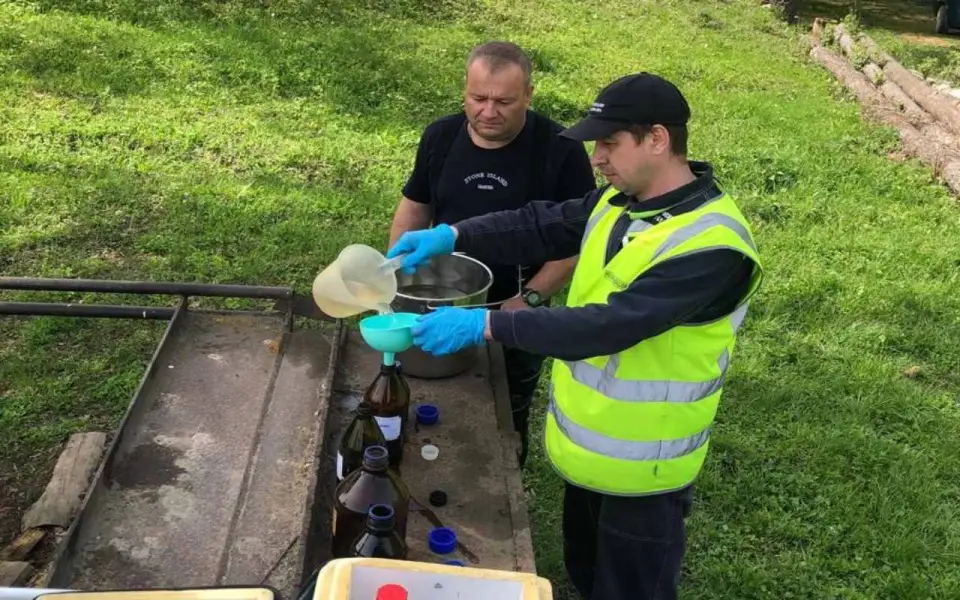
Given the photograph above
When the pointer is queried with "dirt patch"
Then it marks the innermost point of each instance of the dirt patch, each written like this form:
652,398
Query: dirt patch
20,487
896,15
939,41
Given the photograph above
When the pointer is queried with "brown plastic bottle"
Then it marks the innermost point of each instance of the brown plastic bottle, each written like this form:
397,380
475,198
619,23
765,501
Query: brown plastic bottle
374,483
362,433
389,396
381,539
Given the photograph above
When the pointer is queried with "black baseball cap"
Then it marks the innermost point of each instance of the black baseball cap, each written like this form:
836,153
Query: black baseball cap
641,99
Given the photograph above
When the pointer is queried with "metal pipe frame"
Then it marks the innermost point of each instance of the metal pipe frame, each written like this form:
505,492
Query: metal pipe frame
113,311
110,311
145,287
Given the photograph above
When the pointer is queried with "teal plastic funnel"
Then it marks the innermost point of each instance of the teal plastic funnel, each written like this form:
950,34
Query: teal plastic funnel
389,333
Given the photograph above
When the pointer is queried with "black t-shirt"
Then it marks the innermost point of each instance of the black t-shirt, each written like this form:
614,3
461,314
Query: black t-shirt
461,180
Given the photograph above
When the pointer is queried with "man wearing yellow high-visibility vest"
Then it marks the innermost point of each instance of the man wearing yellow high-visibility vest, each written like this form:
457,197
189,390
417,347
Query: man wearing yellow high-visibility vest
642,347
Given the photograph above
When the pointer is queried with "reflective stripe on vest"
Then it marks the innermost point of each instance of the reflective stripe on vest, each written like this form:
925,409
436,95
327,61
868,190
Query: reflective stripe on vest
603,381
699,226
607,383
591,223
625,449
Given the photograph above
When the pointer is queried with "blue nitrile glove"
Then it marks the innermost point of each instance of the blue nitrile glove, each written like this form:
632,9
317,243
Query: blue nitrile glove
448,329
420,246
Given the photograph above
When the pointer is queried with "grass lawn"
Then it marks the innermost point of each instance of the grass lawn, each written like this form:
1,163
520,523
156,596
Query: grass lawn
247,142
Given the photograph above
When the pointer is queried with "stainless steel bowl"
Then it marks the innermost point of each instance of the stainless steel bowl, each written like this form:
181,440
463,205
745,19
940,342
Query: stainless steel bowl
446,280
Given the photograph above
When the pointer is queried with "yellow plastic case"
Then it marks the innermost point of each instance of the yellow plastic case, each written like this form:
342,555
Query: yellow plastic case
360,578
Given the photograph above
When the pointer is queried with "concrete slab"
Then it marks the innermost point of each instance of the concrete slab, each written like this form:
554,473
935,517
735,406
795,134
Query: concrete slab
264,543
209,476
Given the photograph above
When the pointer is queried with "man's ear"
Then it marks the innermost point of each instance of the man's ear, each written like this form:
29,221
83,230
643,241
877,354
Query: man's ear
529,95
660,138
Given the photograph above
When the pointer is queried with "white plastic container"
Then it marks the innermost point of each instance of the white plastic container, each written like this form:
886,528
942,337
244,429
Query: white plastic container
360,279
360,578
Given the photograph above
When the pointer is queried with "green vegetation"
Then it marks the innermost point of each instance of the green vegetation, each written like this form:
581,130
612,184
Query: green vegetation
247,142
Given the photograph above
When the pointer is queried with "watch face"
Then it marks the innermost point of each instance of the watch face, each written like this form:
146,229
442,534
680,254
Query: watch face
533,298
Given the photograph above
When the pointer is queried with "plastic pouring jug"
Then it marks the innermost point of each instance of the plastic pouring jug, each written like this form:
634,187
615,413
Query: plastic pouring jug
360,279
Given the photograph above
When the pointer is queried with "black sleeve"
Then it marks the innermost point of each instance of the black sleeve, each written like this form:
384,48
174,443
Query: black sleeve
667,295
417,187
576,174
537,233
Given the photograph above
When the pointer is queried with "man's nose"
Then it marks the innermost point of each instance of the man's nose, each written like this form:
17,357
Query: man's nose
599,156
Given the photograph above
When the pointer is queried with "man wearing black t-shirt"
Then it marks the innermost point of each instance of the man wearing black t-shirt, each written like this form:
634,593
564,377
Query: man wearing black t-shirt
498,155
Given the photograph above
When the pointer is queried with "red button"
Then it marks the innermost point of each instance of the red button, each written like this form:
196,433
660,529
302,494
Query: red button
391,592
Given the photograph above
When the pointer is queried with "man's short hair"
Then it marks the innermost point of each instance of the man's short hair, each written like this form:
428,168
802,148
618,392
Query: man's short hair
498,55
678,136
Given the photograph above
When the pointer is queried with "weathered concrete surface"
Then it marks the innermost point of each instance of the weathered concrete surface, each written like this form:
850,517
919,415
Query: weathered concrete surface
266,535
210,475
477,465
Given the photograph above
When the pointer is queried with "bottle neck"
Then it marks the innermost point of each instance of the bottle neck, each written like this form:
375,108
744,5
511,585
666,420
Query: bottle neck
381,519
380,526
376,468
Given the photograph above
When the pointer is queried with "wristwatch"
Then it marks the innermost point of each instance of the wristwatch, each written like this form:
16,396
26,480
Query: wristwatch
531,297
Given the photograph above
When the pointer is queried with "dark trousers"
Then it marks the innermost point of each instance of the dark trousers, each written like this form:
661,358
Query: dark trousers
618,548
523,375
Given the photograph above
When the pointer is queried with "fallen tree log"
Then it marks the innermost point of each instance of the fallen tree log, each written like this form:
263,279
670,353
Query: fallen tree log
816,33
21,547
923,95
892,91
917,89
68,484
944,161
874,72
900,99
843,39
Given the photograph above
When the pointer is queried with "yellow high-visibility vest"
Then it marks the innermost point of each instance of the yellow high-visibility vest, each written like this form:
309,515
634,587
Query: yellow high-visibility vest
638,422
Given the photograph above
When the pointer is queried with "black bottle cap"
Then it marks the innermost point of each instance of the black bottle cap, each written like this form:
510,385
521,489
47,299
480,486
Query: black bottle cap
438,498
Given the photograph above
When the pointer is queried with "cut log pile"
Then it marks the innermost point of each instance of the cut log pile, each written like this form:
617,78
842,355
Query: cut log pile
928,121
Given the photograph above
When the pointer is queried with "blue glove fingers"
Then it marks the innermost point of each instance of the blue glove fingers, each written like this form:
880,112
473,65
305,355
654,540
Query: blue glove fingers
419,246
446,240
424,331
448,329
414,259
402,246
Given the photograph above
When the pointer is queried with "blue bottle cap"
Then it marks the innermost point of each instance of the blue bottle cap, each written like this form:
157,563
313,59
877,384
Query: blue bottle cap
442,540
455,563
427,414
376,458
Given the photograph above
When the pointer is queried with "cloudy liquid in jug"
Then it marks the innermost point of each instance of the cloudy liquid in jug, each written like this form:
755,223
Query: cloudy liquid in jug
369,296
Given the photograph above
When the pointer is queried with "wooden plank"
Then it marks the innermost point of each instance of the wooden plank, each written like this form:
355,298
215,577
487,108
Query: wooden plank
13,574
21,547
68,484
